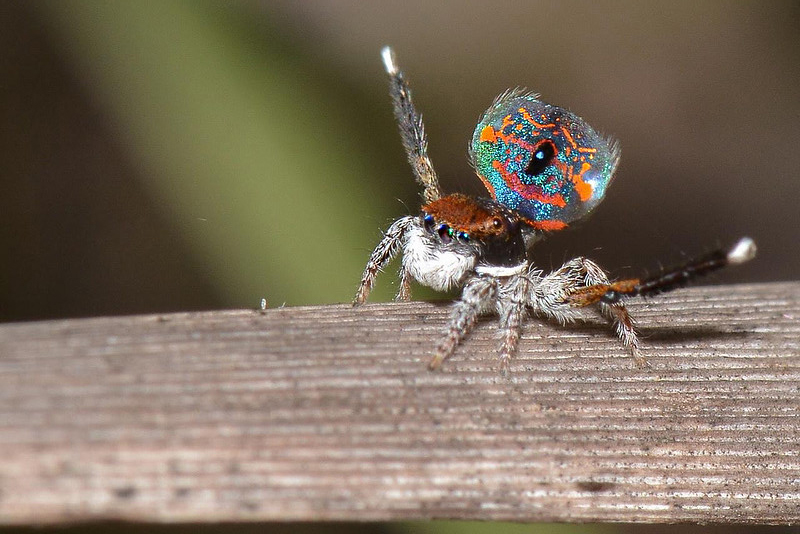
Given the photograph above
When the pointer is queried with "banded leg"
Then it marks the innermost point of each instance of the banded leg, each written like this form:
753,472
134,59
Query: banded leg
412,131
511,309
553,297
390,245
615,312
611,293
476,299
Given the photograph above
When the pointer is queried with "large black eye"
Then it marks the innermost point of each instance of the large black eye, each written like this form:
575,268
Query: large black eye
445,233
542,157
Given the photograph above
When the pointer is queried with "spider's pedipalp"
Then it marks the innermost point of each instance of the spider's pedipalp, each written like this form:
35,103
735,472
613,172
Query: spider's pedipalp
393,240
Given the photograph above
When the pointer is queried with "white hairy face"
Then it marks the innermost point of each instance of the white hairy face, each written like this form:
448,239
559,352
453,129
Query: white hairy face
434,264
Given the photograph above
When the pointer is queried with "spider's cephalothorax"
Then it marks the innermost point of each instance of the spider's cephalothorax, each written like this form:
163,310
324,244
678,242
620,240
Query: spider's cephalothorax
544,168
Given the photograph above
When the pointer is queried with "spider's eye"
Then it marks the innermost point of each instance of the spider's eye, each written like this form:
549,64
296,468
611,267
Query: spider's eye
542,157
445,233
463,237
497,222
428,221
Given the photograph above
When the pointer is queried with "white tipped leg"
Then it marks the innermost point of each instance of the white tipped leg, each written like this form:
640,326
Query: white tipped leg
744,250
389,62
412,131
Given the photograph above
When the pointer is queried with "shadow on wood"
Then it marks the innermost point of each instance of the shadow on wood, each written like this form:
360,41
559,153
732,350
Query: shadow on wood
328,413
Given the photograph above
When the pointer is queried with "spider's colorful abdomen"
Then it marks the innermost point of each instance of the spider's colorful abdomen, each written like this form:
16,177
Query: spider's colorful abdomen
541,160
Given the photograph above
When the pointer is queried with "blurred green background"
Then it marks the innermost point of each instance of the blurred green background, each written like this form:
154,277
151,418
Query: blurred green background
163,156
159,156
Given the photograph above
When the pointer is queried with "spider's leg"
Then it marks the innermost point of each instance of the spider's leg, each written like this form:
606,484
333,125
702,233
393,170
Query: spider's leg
615,312
610,293
390,245
412,131
404,291
511,309
582,275
623,323
479,294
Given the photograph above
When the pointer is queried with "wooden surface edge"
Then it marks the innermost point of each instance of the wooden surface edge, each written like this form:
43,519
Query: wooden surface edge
328,413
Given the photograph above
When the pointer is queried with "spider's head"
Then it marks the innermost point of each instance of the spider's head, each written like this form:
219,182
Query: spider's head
491,231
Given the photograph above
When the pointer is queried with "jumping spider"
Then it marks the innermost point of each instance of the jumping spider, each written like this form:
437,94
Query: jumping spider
544,168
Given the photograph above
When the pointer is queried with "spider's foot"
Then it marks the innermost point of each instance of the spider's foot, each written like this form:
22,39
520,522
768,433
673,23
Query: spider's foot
361,296
639,359
436,361
505,364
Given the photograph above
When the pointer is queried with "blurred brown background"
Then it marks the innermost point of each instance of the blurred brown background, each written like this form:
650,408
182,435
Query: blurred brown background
182,156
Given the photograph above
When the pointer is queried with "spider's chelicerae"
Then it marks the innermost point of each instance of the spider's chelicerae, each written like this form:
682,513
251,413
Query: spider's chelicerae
544,168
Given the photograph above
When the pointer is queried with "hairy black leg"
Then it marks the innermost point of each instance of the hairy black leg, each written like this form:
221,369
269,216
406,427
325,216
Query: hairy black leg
612,293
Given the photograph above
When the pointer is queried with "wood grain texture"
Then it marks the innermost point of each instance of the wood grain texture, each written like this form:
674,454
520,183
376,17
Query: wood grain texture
329,413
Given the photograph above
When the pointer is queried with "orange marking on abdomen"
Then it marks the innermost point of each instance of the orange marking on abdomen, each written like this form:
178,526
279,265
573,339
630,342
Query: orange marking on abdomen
582,187
526,191
547,225
569,137
488,134
527,116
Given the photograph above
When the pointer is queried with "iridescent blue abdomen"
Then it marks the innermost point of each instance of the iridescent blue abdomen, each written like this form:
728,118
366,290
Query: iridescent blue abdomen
542,160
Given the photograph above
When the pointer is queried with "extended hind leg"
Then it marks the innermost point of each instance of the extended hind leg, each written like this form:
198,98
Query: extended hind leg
610,295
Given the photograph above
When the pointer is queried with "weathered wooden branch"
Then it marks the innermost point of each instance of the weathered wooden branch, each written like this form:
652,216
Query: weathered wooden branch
330,413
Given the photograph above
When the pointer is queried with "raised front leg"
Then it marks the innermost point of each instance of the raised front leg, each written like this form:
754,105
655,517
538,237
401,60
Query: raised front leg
390,245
